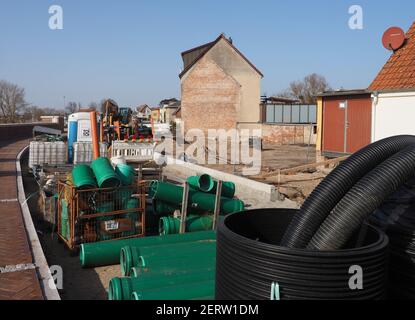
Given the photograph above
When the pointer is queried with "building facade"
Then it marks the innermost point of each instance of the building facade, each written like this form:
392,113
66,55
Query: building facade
220,88
393,93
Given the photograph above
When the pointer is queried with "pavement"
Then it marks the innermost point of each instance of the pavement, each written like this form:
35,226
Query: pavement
18,276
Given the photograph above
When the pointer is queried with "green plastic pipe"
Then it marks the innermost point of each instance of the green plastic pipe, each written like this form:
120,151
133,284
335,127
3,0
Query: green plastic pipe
206,183
148,256
176,266
104,173
64,219
192,258
201,201
173,266
137,272
162,208
122,288
171,225
108,253
126,173
186,291
83,177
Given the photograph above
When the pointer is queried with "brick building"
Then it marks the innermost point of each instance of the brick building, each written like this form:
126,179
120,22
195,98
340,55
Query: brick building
220,87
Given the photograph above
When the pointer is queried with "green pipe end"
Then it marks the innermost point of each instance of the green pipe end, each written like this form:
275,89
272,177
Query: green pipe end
163,226
206,183
142,262
135,272
126,257
135,296
115,289
82,256
152,190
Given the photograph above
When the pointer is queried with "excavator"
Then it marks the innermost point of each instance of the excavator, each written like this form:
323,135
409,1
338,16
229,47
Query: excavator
119,124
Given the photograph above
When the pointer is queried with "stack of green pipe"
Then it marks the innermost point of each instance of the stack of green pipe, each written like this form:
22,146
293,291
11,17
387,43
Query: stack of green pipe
108,253
188,291
154,256
171,225
206,183
122,288
173,194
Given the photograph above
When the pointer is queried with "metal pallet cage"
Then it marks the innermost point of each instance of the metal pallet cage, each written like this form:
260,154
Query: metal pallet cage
94,215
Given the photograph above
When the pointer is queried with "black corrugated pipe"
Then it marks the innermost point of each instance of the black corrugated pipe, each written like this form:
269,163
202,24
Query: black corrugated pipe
397,218
249,261
333,188
363,199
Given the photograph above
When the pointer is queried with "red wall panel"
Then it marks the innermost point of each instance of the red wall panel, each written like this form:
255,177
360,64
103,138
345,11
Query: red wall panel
359,118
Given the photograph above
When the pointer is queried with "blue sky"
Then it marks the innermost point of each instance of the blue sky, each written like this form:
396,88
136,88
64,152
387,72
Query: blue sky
130,50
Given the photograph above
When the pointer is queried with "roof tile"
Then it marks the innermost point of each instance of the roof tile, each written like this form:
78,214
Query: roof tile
399,71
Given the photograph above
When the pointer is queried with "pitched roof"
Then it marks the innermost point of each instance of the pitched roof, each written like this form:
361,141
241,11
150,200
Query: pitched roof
192,56
143,108
399,72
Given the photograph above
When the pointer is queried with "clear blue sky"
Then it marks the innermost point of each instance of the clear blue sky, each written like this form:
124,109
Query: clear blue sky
130,50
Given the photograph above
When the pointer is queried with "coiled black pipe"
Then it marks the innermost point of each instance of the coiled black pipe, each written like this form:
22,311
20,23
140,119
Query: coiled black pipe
249,260
333,188
363,199
397,218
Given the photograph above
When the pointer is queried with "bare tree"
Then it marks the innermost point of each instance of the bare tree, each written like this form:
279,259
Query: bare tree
306,89
71,107
33,113
93,105
12,101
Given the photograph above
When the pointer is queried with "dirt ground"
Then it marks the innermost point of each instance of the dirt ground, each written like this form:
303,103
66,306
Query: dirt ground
295,187
78,283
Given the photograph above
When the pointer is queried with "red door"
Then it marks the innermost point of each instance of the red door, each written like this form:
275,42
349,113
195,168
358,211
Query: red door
350,115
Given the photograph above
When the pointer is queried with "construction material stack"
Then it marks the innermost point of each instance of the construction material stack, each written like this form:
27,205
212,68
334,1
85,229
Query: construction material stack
203,201
100,203
160,267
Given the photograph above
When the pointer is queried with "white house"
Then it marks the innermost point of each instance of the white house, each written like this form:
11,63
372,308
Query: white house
393,93
144,112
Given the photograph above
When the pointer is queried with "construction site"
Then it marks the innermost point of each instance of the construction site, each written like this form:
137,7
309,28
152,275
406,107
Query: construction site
223,194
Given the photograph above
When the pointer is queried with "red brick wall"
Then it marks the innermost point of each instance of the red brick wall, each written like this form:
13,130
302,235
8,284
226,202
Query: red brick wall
287,134
210,98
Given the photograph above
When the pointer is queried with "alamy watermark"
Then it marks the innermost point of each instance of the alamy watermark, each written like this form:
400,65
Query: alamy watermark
56,272
356,280
241,147
56,17
356,19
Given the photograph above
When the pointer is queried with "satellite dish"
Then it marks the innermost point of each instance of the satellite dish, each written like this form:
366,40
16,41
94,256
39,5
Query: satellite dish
393,38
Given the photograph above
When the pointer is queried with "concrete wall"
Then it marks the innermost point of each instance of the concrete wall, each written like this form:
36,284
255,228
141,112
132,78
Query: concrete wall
393,114
210,97
14,131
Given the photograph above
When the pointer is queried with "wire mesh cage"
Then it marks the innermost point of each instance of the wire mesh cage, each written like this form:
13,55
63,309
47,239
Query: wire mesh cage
95,215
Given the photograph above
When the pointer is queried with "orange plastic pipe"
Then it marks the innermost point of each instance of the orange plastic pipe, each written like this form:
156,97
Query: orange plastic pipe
94,129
